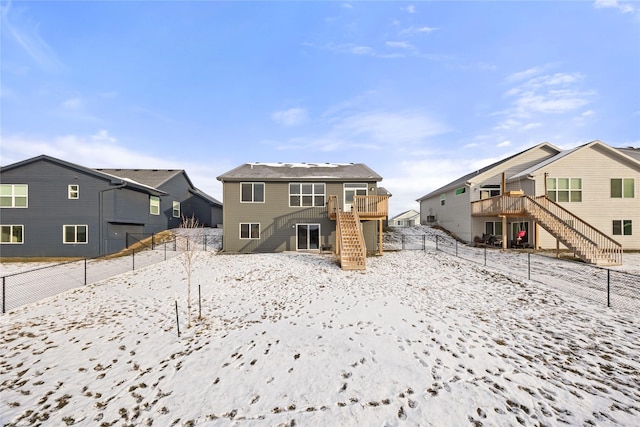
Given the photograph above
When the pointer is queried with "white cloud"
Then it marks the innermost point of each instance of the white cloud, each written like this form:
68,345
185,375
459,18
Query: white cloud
346,6
72,104
588,113
400,45
550,93
413,30
623,7
101,150
409,9
26,34
504,144
291,117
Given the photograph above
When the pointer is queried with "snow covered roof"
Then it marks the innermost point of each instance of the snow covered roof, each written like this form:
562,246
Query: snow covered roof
301,172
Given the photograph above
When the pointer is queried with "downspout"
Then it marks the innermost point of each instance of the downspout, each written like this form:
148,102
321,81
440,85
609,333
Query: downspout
101,216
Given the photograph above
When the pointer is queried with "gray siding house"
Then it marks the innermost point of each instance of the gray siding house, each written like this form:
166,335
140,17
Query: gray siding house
53,208
274,207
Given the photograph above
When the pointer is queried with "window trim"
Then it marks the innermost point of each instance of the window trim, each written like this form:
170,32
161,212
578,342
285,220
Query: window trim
10,242
76,242
313,194
152,205
13,196
250,224
570,190
443,199
489,188
459,191
73,194
253,191
622,227
178,209
622,187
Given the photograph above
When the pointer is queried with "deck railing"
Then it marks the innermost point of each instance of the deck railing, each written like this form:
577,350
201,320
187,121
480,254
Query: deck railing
371,206
551,215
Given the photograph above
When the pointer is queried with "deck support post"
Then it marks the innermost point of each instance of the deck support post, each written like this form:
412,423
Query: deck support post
504,232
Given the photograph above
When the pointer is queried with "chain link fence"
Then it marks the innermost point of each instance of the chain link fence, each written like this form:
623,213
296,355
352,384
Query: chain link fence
608,286
25,287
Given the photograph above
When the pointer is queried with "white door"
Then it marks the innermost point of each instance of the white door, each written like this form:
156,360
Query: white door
350,191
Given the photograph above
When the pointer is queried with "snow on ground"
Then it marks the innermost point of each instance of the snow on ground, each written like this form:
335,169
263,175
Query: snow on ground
419,338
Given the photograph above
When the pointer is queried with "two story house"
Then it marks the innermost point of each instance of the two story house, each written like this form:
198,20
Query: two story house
274,207
54,208
585,199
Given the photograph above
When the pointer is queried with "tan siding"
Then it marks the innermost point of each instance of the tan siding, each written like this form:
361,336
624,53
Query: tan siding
596,167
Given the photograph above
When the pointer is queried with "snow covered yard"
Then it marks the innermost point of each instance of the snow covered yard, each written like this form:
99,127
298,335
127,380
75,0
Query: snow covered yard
419,338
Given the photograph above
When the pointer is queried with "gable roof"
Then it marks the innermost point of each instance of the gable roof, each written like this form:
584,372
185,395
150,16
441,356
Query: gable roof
537,167
301,172
211,200
411,213
463,180
631,152
152,177
113,179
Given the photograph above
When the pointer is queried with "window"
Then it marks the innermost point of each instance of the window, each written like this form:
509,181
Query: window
74,234
442,199
154,205
14,195
252,192
12,234
74,191
306,194
460,191
622,188
249,231
493,228
564,189
176,209
622,227
489,190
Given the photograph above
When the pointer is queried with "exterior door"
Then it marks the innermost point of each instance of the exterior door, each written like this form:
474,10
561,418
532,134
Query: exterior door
350,191
307,237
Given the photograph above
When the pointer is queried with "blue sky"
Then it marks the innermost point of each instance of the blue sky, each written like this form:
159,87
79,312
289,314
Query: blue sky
422,92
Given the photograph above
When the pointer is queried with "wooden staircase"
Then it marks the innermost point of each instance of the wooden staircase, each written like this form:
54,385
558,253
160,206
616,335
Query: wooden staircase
587,242
351,246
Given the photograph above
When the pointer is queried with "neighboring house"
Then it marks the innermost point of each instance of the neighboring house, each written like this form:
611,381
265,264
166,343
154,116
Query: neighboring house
405,219
53,208
274,207
187,199
585,199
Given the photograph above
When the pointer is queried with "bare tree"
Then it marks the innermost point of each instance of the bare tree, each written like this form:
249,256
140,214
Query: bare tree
190,236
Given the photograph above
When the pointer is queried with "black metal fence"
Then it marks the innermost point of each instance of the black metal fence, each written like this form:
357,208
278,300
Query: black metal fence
25,287
608,286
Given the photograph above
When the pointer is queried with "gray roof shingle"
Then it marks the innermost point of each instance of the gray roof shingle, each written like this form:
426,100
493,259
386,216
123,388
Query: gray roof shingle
301,172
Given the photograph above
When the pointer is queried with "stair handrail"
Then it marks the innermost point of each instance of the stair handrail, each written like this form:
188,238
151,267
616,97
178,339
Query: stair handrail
356,215
603,243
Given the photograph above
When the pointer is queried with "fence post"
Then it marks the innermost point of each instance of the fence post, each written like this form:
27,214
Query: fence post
153,241
485,256
608,287
199,302
126,239
424,242
85,271
403,242
456,248
133,259
165,251
529,265
177,319
4,295
436,242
